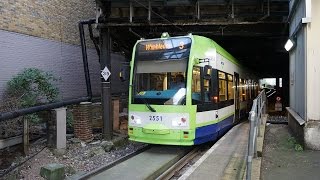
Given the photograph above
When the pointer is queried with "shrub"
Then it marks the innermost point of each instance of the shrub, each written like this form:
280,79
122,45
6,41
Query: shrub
32,87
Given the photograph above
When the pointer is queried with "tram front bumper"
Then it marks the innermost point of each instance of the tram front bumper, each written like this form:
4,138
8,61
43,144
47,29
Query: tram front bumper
162,136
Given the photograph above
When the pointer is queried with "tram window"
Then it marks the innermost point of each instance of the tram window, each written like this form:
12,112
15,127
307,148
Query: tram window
206,87
222,86
230,87
249,90
244,90
158,81
196,85
177,80
241,89
253,93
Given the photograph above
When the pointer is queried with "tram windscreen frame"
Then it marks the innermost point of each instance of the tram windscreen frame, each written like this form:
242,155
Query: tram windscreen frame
159,65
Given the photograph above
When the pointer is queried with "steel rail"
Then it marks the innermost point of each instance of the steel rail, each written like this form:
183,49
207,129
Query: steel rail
114,163
169,173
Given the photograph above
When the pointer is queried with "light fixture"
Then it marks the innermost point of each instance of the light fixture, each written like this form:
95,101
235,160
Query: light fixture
289,44
165,35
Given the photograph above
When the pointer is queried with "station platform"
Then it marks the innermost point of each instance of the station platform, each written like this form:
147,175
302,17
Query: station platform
282,157
226,159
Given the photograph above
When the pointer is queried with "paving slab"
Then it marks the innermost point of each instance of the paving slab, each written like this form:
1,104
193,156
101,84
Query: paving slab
147,165
282,160
225,159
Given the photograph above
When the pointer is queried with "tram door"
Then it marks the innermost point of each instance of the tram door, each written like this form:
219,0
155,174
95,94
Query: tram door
236,98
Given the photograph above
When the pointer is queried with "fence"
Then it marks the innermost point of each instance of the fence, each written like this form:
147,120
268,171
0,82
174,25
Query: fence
258,108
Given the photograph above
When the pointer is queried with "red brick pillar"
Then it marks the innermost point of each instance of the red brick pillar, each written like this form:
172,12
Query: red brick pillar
82,121
115,115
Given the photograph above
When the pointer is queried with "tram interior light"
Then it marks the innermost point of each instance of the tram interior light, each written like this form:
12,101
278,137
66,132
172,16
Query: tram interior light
289,44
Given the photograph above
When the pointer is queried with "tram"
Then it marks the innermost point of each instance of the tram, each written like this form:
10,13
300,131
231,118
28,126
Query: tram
185,90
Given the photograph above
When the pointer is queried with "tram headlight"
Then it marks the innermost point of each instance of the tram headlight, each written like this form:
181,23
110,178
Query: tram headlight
135,119
180,122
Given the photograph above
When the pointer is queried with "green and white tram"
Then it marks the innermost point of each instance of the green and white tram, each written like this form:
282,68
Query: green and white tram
185,90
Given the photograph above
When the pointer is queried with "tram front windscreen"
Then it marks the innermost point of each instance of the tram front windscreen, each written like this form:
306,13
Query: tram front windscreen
160,71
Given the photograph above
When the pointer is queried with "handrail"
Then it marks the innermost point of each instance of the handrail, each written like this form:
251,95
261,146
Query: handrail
258,108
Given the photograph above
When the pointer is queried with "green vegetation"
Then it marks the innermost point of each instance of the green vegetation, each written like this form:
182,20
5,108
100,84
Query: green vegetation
292,143
69,119
32,87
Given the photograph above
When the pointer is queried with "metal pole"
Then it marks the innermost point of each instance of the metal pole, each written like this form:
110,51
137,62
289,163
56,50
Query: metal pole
149,10
131,12
25,136
232,7
259,116
198,10
265,103
250,145
30,110
268,8
261,110
255,132
105,61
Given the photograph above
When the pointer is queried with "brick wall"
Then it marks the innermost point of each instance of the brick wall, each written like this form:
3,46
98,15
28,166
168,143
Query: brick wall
49,19
89,115
44,34
82,121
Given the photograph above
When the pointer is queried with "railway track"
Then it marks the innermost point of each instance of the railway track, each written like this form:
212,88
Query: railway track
95,172
151,162
173,170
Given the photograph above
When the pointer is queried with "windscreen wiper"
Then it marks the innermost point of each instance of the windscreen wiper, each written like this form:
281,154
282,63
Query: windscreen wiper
148,105
145,101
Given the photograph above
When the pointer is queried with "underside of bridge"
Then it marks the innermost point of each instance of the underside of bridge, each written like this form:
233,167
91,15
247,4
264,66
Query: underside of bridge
253,31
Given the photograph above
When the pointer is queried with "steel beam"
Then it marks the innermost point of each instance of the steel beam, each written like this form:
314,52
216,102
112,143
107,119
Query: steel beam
149,11
198,10
131,12
106,25
105,61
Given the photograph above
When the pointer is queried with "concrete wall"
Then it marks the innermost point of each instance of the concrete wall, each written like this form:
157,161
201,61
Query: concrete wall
313,63
45,35
312,128
305,72
18,51
297,62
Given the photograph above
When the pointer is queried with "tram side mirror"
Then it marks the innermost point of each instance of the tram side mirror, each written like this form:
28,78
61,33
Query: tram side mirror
207,72
122,75
124,72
